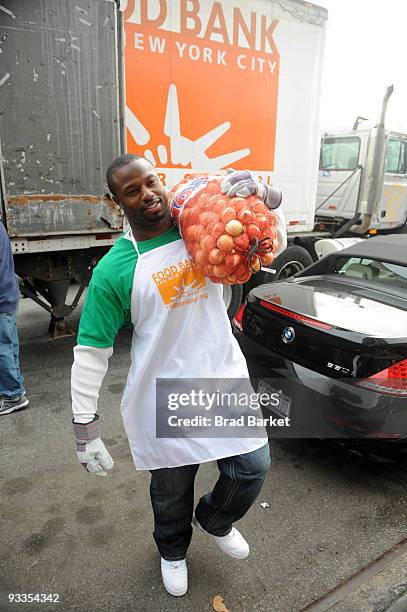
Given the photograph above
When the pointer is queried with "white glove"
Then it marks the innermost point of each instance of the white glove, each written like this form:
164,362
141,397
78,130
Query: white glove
91,451
244,183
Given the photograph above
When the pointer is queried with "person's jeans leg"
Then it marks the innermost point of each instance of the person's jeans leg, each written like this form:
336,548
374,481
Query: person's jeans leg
240,481
11,381
172,498
16,352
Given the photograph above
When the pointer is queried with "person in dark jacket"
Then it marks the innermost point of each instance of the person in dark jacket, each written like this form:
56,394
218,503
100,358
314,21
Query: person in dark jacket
12,393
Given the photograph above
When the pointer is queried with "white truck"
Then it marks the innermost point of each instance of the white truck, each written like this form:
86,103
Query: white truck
345,160
362,185
193,85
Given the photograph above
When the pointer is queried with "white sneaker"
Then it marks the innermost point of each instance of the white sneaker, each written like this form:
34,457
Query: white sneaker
175,577
233,544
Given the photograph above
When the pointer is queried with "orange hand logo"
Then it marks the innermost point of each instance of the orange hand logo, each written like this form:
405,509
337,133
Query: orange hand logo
183,151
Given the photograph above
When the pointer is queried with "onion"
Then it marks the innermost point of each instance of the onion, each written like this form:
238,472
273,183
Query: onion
243,278
271,233
259,207
261,221
192,232
242,242
201,258
220,271
216,257
208,270
212,187
225,242
193,246
232,260
271,217
241,269
197,232
234,228
216,229
207,217
245,215
252,232
251,201
228,214
219,205
267,245
214,201
256,264
267,258
238,203
186,233
194,218
202,200
208,243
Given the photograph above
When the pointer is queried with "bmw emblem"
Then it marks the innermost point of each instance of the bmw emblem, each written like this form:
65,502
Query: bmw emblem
288,335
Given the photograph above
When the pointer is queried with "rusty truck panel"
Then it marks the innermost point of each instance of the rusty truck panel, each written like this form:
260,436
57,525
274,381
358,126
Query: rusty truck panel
59,115
61,214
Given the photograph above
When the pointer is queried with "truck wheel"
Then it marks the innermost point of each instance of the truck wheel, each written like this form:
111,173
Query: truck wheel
232,296
292,260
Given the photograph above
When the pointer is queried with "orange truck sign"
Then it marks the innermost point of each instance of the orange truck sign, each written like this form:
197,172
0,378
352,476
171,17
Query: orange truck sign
211,85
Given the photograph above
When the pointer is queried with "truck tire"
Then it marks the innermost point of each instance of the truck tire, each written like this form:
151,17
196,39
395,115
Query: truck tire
294,259
232,296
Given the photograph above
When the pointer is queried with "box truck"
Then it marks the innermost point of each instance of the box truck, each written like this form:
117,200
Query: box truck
362,185
192,85
60,127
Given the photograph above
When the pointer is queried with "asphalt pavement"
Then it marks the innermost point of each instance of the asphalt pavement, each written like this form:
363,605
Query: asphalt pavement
88,539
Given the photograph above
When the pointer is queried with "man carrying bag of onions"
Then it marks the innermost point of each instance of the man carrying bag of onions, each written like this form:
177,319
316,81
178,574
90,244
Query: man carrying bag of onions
170,288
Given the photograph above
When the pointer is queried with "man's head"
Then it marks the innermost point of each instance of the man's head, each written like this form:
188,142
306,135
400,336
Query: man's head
136,187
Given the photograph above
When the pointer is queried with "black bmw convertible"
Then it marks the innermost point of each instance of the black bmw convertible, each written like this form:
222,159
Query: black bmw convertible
331,342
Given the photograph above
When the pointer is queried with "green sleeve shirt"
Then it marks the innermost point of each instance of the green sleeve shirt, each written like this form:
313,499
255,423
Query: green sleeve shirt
107,305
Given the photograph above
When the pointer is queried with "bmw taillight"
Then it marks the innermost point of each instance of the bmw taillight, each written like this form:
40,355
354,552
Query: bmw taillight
238,320
391,381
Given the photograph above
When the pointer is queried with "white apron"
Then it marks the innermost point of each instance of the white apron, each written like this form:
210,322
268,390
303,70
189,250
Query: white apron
181,330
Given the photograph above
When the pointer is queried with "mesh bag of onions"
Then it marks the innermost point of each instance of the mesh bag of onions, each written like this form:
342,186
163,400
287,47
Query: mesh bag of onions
229,239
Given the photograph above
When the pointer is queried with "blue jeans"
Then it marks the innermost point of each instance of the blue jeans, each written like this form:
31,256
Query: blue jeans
11,381
172,496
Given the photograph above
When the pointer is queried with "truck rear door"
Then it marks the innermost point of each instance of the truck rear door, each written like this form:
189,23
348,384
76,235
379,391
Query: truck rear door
60,120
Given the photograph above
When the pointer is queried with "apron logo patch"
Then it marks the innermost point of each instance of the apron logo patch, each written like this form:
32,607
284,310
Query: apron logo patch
180,284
